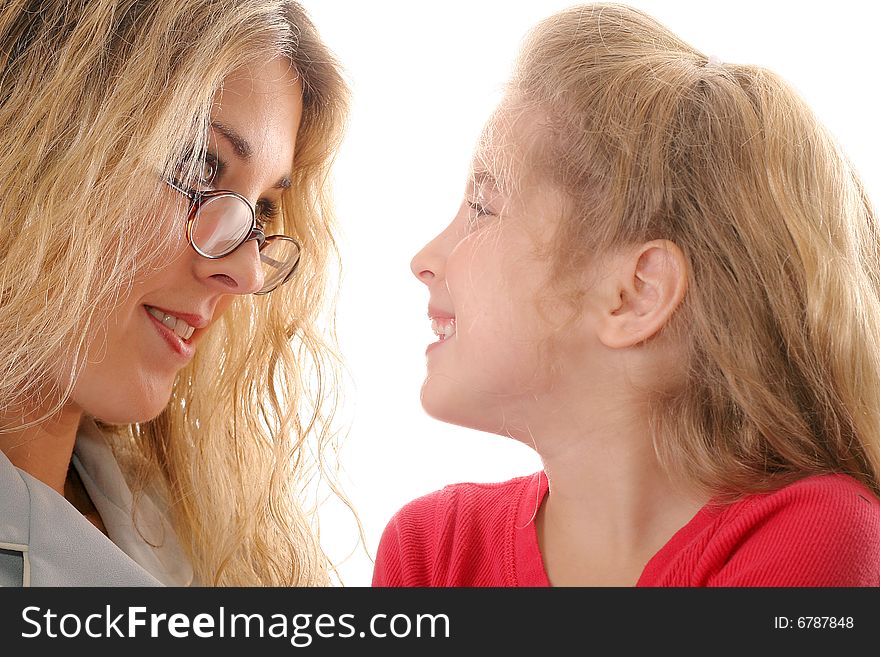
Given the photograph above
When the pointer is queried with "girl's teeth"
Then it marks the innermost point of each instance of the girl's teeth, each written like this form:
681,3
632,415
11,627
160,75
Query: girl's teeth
181,329
444,328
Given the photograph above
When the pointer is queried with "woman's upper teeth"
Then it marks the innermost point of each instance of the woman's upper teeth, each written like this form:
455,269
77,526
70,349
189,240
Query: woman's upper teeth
443,328
183,330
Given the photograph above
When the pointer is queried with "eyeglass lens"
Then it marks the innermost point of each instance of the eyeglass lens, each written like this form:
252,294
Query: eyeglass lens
279,256
222,223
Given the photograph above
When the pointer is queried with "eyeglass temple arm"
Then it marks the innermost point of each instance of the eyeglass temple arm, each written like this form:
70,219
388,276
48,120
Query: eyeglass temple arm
190,195
271,261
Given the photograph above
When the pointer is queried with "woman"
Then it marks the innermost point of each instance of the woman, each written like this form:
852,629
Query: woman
161,352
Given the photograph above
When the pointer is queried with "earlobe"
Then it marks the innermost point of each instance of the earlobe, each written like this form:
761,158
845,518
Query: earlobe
642,291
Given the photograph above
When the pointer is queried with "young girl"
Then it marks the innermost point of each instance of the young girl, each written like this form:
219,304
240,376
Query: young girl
664,277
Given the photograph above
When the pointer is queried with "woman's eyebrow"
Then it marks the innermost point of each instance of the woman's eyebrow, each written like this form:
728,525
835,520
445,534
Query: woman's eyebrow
240,145
243,149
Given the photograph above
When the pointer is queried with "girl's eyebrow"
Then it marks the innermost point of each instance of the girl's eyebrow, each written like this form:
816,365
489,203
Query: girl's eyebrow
483,179
481,176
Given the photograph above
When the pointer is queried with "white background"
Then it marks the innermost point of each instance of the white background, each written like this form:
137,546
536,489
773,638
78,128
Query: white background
424,77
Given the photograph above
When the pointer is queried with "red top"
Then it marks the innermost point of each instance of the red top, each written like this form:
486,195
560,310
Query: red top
820,531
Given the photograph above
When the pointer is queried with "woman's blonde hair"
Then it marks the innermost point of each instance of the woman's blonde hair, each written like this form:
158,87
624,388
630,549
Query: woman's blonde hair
99,99
648,138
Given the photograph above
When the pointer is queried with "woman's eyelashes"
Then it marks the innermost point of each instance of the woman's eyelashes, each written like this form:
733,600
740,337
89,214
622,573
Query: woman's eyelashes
199,173
206,174
266,212
210,171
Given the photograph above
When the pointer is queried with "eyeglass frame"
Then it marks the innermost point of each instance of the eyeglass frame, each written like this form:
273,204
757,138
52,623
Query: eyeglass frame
196,198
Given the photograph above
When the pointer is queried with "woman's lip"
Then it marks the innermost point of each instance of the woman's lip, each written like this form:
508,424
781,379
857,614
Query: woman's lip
184,350
196,321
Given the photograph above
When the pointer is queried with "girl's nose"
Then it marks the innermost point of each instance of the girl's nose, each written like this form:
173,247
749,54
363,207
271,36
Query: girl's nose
427,263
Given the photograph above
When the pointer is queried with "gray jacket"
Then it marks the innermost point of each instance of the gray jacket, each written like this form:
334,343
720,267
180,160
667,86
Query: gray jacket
45,541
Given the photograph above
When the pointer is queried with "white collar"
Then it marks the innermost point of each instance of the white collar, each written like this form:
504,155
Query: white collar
147,537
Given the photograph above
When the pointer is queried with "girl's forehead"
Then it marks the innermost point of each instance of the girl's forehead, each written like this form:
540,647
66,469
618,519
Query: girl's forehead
510,137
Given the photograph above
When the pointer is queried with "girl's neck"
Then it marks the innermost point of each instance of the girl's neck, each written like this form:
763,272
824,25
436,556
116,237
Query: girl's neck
44,450
610,506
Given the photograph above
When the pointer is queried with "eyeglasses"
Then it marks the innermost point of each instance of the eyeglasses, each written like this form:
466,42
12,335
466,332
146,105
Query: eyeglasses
220,221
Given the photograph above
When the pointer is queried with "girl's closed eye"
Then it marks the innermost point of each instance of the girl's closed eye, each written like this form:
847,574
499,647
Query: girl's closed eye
482,198
478,212
480,209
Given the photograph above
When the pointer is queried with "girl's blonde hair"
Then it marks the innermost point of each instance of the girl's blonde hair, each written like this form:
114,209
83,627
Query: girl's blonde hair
650,139
99,99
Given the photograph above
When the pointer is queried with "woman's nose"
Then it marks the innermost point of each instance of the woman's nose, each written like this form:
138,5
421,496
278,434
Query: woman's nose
239,272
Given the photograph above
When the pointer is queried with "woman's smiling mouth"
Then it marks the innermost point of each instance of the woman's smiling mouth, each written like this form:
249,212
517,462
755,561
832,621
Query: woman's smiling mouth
176,330
183,330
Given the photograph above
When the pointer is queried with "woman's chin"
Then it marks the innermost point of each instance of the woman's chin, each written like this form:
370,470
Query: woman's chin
123,418
130,409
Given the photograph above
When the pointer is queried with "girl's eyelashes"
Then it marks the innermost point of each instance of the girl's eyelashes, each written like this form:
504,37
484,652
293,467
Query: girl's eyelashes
478,210
482,197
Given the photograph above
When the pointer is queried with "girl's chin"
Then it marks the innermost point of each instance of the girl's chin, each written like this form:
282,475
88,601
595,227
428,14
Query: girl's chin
452,409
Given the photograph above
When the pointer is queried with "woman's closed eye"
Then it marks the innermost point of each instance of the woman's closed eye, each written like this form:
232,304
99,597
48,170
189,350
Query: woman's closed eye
199,174
266,211
209,172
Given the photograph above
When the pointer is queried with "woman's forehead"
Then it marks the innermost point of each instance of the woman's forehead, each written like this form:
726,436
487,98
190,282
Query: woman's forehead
259,94
258,111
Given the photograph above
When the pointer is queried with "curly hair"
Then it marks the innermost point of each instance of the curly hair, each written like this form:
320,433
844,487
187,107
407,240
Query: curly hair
96,98
650,139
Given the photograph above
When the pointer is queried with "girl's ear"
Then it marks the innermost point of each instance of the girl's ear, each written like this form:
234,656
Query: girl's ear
640,293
